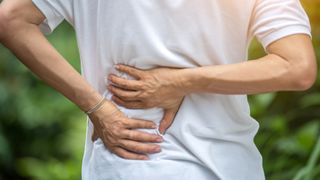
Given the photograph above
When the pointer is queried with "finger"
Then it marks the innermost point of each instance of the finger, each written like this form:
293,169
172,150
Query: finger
134,72
168,118
138,147
125,83
139,124
129,155
124,94
95,135
128,104
140,136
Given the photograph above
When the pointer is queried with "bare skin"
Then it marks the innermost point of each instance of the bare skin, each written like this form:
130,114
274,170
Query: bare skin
19,32
291,60
289,66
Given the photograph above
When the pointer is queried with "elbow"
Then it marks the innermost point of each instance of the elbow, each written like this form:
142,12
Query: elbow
305,83
5,23
8,21
2,24
305,75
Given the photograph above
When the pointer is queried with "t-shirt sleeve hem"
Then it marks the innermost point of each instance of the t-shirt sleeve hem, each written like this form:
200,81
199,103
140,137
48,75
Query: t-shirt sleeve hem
284,32
53,19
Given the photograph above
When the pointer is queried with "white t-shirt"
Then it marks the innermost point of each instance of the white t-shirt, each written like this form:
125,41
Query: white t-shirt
212,135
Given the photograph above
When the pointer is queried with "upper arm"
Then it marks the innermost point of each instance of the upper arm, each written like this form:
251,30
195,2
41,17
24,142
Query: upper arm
20,10
284,30
55,11
273,20
298,52
47,14
296,49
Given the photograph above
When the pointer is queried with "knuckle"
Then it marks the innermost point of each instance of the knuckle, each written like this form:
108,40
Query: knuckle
143,96
120,94
117,133
121,68
151,149
136,148
150,137
113,79
129,105
148,124
142,137
127,94
126,123
139,106
130,135
118,124
148,104
112,142
123,84
140,124
143,87
130,123
135,85
147,76
122,144
120,81
113,89
134,105
154,138
129,70
120,153
120,102
116,91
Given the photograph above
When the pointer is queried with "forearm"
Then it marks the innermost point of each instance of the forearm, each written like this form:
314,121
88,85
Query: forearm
289,66
27,42
268,74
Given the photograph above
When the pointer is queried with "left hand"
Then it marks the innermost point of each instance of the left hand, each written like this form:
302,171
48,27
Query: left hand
151,88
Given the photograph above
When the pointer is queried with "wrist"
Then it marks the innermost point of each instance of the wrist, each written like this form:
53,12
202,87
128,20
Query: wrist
107,110
88,100
183,81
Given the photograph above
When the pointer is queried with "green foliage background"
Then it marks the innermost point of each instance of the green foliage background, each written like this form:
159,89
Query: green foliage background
42,134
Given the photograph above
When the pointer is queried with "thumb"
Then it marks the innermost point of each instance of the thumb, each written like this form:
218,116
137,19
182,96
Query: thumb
95,135
168,118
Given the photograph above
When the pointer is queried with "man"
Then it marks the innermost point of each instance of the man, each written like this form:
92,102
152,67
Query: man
205,44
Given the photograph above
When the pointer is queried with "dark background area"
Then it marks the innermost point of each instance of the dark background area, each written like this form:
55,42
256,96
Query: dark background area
42,134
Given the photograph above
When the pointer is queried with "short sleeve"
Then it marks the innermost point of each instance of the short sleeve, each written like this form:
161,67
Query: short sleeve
55,12
275,19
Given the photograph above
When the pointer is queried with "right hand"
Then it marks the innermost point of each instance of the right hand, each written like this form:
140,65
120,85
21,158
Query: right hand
118,133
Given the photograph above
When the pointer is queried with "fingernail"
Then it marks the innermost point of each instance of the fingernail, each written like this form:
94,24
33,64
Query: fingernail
145,158
154,126
159,139
116,66
157,149
160,131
